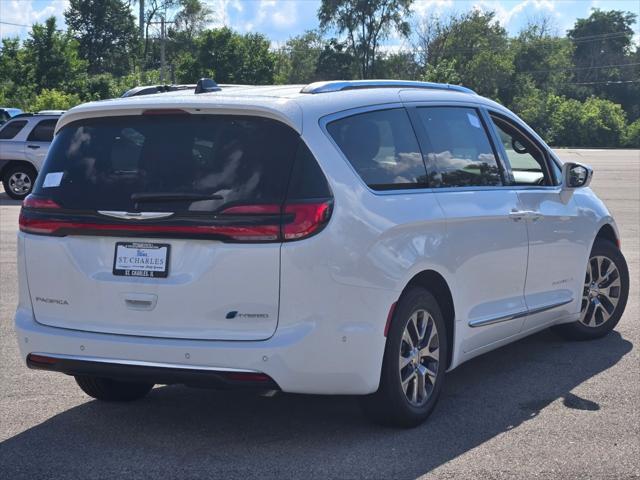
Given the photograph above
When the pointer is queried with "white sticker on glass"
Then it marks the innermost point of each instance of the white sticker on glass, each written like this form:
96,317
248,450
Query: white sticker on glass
52,179
473,120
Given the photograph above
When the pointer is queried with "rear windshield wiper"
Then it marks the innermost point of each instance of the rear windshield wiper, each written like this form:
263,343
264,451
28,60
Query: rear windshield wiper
173,197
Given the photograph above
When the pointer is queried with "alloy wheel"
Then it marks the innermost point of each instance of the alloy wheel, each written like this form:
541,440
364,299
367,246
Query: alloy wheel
20,183
419,357
601,291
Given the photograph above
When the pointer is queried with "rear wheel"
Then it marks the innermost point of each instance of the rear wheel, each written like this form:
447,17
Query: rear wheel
414,363
604,295
111,390
18,181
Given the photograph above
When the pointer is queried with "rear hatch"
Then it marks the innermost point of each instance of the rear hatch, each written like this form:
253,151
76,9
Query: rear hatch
169,225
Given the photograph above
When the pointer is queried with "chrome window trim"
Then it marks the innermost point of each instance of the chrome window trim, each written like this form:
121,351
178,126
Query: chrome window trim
513,316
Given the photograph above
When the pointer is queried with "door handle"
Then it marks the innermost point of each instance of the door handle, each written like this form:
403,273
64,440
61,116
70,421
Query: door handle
518,215
34,147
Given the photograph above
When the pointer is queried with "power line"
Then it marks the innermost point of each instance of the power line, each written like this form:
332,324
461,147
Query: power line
15,24
582,68
608,82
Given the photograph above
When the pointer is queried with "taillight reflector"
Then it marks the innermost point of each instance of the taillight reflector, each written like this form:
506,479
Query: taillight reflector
248,377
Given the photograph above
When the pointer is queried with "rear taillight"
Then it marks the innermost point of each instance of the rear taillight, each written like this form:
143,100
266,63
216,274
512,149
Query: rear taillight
29,225
308,218
241,223
34,202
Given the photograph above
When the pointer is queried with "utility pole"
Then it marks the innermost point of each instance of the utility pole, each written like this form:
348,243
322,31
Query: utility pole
141,19
162,46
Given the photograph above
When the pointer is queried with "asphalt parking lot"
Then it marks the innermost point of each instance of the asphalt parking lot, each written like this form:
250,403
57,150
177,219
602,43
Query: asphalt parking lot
539,408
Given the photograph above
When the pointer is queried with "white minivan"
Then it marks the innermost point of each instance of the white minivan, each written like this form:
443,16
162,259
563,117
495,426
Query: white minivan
346,237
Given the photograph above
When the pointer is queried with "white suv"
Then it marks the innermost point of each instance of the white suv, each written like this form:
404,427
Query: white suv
339,238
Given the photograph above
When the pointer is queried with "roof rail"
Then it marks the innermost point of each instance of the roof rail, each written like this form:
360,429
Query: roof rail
340,85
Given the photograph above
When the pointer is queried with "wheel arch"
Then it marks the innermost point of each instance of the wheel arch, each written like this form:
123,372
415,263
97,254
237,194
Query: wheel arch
11,163
608,232
438,286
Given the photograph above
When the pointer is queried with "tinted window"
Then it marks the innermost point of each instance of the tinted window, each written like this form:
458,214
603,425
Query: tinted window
43,131
307,180
382,148
231,159
457,148
525,158
11,129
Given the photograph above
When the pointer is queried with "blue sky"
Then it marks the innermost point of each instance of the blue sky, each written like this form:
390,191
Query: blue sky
280,19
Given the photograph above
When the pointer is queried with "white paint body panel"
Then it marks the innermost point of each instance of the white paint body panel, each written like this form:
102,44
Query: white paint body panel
334,289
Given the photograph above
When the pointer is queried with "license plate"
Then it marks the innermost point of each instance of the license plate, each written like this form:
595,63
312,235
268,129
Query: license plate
141,259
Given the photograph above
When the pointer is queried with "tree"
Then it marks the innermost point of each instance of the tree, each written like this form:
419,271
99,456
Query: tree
106,34
54,100
303,53
366,23
543,56
52,57
228,57
335,62
605,64
474,45
191,19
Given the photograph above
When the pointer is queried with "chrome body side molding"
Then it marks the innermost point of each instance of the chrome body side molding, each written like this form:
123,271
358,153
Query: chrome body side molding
513,316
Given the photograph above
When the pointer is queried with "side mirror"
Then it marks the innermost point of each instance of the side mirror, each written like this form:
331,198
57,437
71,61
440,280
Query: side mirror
576,175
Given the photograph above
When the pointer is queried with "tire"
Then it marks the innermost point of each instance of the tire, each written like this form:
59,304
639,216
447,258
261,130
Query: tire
394,404
18,181
604,294
110,390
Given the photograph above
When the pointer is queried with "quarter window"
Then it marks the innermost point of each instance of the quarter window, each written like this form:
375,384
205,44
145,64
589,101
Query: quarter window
43,131
11,129
457,149
382,147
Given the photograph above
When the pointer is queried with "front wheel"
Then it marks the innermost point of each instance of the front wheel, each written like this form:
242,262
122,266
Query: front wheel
604,295
414,363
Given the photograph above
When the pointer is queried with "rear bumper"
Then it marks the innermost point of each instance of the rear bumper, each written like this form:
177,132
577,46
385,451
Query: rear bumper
157,373
308,357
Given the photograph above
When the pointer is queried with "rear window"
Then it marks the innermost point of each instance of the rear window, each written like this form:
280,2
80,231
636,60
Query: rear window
11,129
382,147
43,131
99,164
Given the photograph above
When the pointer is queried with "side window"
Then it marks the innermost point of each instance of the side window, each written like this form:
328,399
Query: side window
457,148
527,161
11,129
382,148
43,132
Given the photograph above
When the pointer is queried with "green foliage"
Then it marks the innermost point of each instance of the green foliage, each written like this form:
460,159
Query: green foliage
228,57
366,23
565,87
632,135
106,34
54,100
52,57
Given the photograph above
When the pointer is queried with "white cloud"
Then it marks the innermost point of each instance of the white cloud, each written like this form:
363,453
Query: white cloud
505,15
27,13
422,8
222,11
281,14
